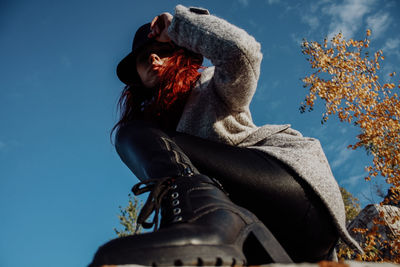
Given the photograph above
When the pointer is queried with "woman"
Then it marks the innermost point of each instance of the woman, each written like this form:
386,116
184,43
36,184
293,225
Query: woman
189,137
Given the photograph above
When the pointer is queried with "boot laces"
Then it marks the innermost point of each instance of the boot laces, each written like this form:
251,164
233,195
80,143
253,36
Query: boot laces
158,188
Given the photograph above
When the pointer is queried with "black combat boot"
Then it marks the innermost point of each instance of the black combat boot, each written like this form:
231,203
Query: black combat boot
200,226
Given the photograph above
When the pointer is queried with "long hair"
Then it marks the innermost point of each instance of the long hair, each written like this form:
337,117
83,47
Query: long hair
164,104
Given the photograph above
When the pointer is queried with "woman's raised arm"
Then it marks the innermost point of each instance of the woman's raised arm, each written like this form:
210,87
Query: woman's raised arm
235,54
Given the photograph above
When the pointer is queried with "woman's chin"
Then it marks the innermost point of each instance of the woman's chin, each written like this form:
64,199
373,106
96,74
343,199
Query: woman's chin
152,84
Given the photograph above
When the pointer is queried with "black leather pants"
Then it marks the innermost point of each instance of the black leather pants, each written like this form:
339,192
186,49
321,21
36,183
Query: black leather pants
255,181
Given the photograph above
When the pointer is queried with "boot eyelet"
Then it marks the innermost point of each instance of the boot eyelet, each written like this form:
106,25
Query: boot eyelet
178,219
175,202
177,211
175,195
174,186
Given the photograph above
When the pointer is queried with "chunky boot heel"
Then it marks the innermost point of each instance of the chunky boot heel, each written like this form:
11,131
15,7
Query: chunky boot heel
199,226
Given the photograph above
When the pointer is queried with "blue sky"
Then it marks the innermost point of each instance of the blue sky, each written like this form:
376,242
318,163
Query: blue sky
61,181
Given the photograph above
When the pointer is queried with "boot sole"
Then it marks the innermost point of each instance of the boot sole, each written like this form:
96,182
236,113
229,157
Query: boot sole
188,255
204,255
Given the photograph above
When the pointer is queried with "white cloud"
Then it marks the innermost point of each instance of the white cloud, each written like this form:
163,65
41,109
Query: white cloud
347,17
378,23
314,7
342,157
244,2
296,38
350,17
353,180
311,21
392,46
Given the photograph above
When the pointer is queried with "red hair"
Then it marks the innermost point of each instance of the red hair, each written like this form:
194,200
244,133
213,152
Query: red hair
164,104
177,75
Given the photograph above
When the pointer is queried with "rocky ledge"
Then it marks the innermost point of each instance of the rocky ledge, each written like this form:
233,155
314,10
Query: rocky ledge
319,264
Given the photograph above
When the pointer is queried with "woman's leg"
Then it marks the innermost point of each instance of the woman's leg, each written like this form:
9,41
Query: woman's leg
150,153
272,191
286,205
200,225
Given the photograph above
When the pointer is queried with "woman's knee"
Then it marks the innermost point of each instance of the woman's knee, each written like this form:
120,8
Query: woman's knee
123,139
131,134
129,141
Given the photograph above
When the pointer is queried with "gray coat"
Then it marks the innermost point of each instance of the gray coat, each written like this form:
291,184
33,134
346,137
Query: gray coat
218,107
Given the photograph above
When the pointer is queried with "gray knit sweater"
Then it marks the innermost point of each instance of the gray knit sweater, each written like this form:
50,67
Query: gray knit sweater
218,107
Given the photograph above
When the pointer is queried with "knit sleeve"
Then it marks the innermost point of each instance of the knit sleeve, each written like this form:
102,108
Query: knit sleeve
235,54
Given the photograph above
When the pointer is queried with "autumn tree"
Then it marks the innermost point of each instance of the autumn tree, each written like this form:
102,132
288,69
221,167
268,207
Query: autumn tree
346,79
128,217
351,204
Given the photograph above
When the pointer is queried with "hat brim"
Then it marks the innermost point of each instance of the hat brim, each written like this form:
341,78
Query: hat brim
126,70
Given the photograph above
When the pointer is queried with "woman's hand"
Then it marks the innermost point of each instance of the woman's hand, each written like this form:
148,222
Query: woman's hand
159,27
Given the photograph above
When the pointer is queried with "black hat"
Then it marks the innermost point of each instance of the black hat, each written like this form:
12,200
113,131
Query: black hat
126,69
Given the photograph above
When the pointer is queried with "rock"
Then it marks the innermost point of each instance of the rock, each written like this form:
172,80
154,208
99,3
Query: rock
319,264
388,229
391,198
335,264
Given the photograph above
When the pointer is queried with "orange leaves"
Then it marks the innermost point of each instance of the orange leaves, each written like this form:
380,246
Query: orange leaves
346,80
389,86
348,84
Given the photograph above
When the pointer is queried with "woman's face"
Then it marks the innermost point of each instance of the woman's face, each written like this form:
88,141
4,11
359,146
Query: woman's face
149,60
